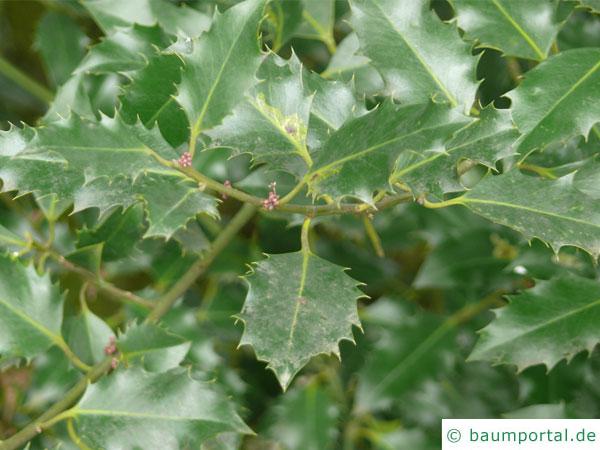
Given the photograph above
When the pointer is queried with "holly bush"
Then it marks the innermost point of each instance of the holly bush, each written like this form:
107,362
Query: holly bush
296,224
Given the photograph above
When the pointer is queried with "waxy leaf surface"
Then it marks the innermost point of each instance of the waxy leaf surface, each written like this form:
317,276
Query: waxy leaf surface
525,29
134,409
552,321
298,306
418,56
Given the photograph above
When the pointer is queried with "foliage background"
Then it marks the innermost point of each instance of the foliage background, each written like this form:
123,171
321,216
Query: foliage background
441,272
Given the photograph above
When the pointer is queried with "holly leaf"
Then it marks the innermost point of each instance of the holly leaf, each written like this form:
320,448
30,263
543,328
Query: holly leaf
112,15
170,200
511,26
551,210
418,56
10,240
126,50
221,66
272,123
71,159
149,96
348,64
558,99
359,158
61,44
483,141
118,232
154,347
139,409
286,117
87,335
553,321
30,311
298,306
71,97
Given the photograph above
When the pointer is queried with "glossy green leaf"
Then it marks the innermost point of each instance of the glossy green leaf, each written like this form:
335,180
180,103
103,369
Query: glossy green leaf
126,50
170,200
61,43
88,335
154,347
418,56
30,310
554,320
118,233
89,257
483,141
287,116
114,14
298,306
553,211
71,97
272,123
221,66
149,96
587,179
359,158
517,28
155,411
558,99
348,64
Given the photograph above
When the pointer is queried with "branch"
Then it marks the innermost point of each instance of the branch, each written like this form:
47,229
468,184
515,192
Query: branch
183,284
49,418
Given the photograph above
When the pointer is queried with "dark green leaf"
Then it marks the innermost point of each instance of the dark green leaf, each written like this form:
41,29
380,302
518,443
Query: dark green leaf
221,66
418,56
298,306
523,29
483,141
153,346
553,211
554,320
558,99
87,335
154,411
149,96
30,310
359,158
124,51
114,14
61,43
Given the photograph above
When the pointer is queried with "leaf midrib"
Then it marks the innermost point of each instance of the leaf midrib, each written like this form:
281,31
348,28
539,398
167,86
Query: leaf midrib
572,89
519,29
54,338
198,124
447,152
546,324
371,149
465,200
428,69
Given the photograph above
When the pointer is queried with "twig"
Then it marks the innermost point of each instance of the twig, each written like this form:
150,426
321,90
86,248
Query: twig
233,227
